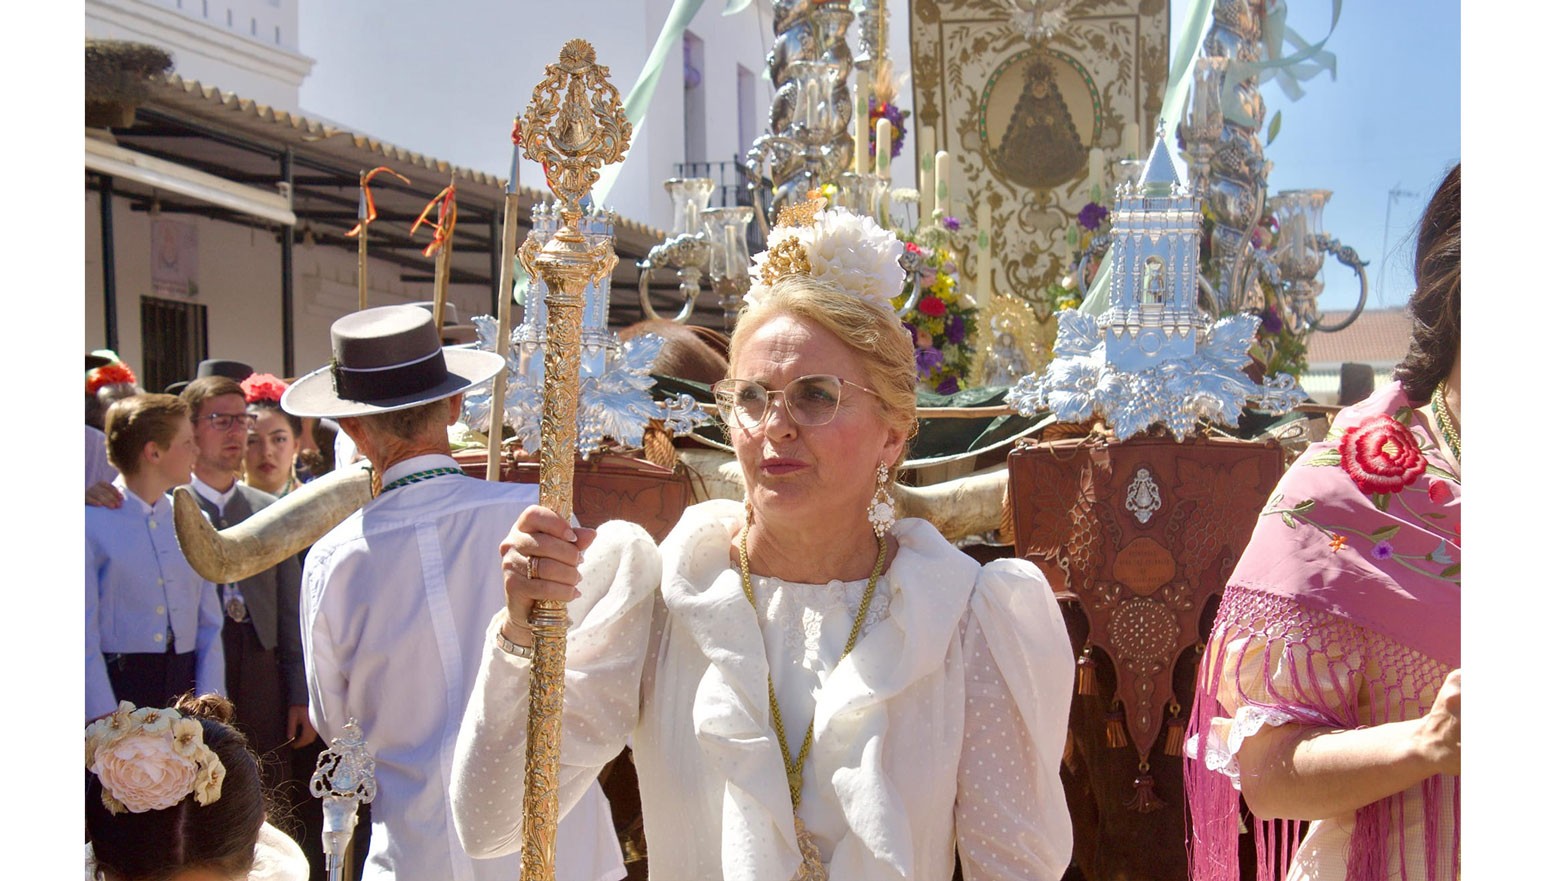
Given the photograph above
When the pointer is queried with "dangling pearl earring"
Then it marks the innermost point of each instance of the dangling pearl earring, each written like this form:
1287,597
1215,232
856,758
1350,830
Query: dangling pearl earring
882,508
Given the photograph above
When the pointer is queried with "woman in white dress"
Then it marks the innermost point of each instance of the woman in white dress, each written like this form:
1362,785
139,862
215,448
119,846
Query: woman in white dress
811,689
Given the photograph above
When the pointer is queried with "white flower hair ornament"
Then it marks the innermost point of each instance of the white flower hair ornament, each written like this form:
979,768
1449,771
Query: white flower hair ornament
149,759
847,250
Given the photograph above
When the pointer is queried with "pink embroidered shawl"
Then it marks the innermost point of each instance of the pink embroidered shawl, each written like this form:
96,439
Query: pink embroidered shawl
1342,612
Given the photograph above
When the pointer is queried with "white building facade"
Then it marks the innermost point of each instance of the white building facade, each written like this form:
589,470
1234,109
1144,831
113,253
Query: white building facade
440,80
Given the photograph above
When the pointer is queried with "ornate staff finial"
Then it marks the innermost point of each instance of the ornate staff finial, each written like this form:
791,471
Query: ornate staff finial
574,125
345,778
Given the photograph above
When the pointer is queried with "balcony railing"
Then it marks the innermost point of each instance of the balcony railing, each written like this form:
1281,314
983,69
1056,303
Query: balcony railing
730,185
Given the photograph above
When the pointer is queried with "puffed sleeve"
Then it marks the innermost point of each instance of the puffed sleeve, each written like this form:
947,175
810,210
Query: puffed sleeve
1011,815
607,644
1270,682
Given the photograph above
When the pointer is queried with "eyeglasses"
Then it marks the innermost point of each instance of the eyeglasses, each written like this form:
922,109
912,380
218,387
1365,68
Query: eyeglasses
224,421
809,400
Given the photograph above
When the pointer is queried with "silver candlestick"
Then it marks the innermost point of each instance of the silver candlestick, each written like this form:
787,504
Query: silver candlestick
1228,169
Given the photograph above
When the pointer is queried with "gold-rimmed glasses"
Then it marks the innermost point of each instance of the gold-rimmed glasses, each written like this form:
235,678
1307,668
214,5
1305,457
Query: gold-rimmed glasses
809,400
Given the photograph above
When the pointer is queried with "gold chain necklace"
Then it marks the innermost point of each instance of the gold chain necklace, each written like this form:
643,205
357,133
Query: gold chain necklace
1445,419
810,868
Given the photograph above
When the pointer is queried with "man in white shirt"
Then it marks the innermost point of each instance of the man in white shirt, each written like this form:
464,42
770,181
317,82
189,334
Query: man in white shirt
396,598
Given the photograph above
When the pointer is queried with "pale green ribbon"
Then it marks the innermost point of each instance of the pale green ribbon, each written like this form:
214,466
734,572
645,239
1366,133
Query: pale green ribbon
636,105
1306,62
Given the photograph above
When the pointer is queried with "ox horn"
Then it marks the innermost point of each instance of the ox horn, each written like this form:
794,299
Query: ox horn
267,537
968,505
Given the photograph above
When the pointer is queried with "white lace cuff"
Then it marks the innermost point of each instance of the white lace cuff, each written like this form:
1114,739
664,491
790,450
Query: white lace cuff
1223,752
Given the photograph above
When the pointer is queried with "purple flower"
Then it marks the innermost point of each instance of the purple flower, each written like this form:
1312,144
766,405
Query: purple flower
949,386
1383,550
952,224
955,329
896,115
1271,321
911,329
928,360
1092,215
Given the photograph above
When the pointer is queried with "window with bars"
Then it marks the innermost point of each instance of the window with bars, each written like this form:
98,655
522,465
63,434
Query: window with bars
174,337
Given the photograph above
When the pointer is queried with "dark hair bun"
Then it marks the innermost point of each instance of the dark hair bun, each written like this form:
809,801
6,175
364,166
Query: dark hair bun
209,706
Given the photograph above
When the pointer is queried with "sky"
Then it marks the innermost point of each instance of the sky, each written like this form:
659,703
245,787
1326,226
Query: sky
1380,135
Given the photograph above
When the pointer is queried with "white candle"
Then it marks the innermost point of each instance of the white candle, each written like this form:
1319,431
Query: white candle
941,168
984,253
861,123
1097,174
925,172
812,111
882,148
1130,143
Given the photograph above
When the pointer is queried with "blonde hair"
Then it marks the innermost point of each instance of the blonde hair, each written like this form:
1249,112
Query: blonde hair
875,333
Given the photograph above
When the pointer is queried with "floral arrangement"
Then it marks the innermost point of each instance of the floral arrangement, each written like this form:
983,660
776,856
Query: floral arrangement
839,247
109,374
263,387
1087,233
879,110
882,105
944,319
150,759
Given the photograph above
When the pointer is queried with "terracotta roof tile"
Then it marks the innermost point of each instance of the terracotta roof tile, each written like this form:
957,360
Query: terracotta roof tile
1378,337
218,105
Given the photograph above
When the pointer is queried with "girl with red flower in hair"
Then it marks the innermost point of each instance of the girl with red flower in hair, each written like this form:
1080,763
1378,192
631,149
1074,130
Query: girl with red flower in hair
274,440
1330,688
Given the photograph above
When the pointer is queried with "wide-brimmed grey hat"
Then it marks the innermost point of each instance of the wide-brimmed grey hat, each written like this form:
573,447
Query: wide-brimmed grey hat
384,359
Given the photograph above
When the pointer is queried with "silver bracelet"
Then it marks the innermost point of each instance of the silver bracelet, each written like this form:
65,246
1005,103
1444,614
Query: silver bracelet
509,646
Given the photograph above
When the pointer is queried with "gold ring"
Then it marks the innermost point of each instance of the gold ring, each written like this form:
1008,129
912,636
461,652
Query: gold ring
531,568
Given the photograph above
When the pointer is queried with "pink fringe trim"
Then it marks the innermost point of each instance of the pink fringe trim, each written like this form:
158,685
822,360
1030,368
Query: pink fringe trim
1297,640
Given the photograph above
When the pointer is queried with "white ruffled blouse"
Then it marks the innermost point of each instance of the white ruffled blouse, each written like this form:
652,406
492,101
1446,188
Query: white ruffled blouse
943,728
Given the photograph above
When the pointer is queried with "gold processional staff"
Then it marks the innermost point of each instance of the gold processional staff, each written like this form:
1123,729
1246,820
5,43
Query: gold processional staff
573,125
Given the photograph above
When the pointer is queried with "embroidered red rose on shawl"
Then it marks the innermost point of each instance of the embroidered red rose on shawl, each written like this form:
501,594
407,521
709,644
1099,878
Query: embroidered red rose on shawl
1381,455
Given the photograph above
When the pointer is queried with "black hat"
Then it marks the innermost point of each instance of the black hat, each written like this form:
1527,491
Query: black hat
387,358
214,367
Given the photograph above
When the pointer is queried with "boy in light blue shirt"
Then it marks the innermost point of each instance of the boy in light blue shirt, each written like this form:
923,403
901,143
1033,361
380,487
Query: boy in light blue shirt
152,624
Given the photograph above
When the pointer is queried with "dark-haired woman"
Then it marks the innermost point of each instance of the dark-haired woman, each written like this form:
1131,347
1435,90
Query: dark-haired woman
174,795
273,442
1330,691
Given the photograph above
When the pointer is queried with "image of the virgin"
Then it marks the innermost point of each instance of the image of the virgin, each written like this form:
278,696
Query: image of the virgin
1040,121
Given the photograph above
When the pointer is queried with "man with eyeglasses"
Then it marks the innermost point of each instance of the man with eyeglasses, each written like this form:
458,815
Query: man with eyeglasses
265,670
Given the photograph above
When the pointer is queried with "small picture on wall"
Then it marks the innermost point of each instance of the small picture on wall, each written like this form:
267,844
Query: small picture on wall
174,259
